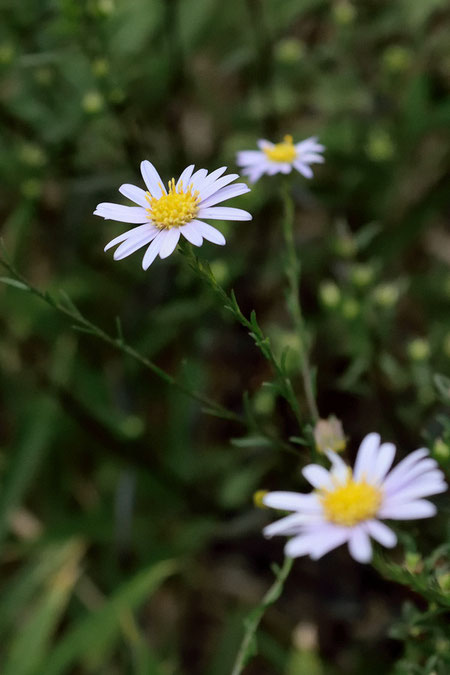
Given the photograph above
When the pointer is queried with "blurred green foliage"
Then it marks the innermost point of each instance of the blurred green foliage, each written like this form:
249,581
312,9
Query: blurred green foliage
128,539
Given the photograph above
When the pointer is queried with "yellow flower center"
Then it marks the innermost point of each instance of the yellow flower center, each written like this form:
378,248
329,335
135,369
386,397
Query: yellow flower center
175,208
282,152
349,503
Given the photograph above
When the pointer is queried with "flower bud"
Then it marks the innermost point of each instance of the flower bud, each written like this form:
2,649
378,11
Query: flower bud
329,435
380,146
386,295
92,102
419,349
258,497
441,451
289,51
329,294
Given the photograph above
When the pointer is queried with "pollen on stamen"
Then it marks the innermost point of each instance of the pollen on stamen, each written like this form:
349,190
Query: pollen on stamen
174,208
282,152
351,502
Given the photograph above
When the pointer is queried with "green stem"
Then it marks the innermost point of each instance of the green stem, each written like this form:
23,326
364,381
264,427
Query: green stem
69,310
246,649
283,382
83,324
293,273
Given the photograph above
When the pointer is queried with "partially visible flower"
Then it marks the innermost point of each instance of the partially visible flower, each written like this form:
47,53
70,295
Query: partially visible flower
92,102
347,505
386,295
163,215
329,435
280,158
258,498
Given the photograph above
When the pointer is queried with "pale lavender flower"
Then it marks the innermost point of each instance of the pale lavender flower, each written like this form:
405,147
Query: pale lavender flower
347,506
163,215
272,158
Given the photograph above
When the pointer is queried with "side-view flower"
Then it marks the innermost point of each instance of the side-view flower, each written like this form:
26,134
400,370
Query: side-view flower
163,215
347,505
280,158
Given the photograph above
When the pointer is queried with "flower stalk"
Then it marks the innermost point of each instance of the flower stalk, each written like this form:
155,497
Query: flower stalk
229,301
246,650
293,274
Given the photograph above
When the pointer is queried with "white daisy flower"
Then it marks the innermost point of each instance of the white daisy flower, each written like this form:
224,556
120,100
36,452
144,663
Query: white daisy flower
280,158
347,505
163,215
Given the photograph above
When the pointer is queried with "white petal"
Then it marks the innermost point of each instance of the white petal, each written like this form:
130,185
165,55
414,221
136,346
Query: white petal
312,158
410,511
403,475
255,174
407,463
185,177
226,193
198,178
223,213
303,168
383,462
365,459
316,541
169,243
207,189
136,194
272,168
359,545
329,539
264,144
309,144
153,249
318,476
298,546
381,533
133,244
286,526
433,485
123,214
209,232
213,176
127,234
292,501
152,179
191,233
339,469
249,157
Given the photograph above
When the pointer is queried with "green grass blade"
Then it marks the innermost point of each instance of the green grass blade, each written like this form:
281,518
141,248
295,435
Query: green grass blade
92,639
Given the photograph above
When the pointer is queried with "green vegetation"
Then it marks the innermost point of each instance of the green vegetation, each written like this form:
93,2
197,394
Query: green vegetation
129,542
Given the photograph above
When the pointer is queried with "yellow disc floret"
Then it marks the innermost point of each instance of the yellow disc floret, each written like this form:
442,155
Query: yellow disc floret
175,208
282,152
351,502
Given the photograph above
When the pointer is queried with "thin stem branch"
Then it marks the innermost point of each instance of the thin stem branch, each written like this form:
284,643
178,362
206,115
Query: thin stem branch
82,323
293,273
283,382
246,649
